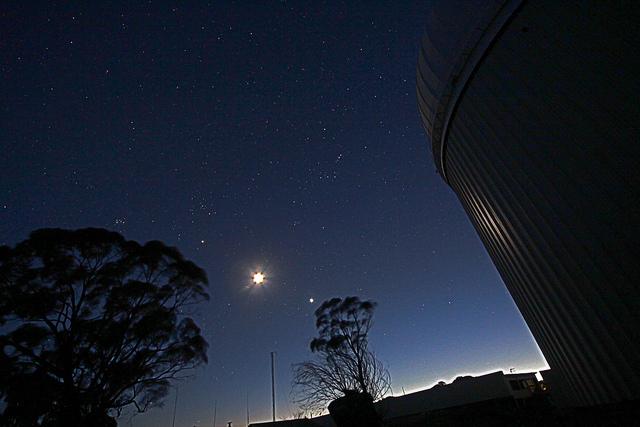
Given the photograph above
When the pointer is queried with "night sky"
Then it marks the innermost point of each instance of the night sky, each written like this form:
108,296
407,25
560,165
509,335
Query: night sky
279,136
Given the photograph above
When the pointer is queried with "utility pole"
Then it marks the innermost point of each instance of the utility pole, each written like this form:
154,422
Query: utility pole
247,409
273,385
215,412
175,406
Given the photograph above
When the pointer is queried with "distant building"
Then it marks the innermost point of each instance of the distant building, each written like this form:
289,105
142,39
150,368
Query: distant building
495,390
533,112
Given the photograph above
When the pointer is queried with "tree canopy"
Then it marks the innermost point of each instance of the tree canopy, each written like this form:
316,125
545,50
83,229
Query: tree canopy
92,323
344,362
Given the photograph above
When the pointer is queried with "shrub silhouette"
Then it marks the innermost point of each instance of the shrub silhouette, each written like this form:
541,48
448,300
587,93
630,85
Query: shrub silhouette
344,362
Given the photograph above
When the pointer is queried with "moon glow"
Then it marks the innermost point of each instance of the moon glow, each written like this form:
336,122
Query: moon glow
258,278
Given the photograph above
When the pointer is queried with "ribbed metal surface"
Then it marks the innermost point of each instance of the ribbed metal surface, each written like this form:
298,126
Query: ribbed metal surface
458,32
544,153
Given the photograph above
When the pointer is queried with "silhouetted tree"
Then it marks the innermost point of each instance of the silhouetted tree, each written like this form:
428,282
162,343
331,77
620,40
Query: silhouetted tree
345,364
93,323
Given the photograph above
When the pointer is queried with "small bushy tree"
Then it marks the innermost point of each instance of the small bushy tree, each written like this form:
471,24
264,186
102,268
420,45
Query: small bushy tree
344,362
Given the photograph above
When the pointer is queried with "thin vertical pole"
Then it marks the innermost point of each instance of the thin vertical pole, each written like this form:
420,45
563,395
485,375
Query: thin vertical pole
247,409
273,385
215,412
175,406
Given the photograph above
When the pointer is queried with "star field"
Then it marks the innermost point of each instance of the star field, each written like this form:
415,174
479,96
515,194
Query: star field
277,137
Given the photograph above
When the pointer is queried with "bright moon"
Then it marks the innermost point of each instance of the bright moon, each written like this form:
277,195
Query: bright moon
258,278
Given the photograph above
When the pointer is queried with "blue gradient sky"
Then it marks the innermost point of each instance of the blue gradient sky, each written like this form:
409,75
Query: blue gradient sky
281,136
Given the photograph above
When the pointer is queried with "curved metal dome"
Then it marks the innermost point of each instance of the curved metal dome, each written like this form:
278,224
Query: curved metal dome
532,111
458,33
